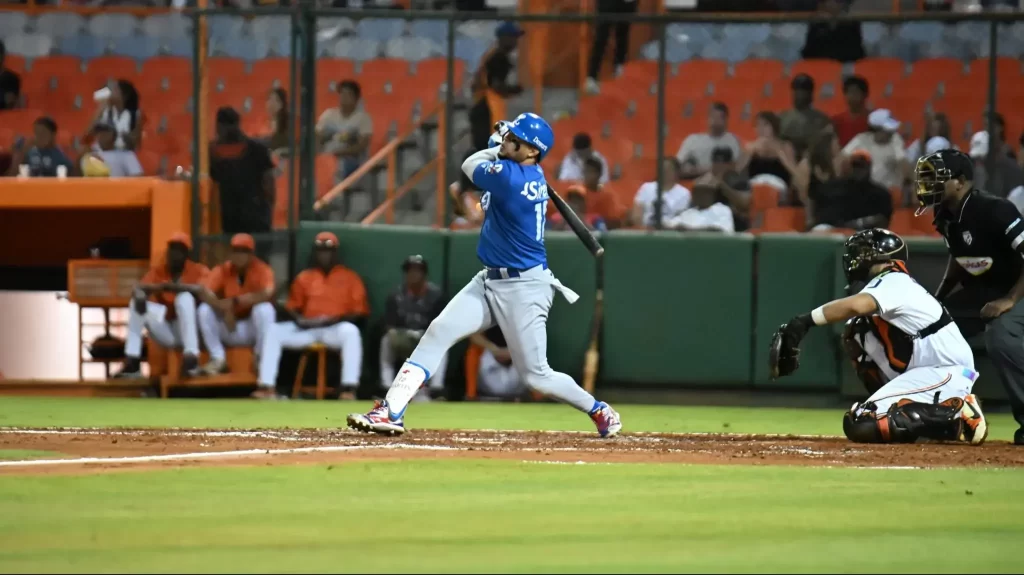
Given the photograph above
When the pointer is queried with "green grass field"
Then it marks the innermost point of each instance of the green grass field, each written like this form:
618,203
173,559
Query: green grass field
467,515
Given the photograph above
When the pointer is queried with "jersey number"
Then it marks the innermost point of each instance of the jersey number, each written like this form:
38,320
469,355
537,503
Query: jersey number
541,211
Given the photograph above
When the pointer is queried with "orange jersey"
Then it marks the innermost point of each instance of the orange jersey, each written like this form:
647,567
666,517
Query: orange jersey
193,274
602,202
337,293
226,282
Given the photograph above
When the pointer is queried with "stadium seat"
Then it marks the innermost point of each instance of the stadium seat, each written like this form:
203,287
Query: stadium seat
137,47
100,70
639,169
222,27
760,70
225,70
29,45
112,25
929,72
902,222
326,167
150,162
58,24
66,68
167,72
880,72
13,23
168,25
703,70
272,72
434,72
275,27
83,46
434,30
383,75
332,71
380,29
783,219
823,71
763,198
411,49
358,49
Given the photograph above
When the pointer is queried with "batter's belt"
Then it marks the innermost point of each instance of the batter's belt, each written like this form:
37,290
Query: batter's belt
540,272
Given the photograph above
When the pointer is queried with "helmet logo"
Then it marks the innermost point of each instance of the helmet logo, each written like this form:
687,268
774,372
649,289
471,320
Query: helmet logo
967,238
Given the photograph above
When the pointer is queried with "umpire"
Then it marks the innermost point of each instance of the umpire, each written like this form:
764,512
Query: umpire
985,237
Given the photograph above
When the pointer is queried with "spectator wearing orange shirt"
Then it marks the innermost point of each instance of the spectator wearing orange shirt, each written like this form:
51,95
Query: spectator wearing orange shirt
601,200
236,308
325,303
169,313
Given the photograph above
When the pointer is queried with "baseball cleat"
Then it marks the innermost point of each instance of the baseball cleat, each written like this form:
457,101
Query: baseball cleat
975,428
1018,437
214,367
130,370
606,419
377,420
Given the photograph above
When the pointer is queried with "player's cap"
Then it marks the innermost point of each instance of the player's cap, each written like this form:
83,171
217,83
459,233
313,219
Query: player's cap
325,240
508,29
802,82
936,143
533,131
979,145
414,260
882,119
861,154
180,238
243,242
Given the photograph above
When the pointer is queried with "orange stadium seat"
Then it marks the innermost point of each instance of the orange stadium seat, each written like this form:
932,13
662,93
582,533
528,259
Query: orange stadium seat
150,162
617,151
382,74
783,219
704,70
273,72
643,169
896,194
929,72
686,87
1007,68
762,198
330,71
173,71
823,71
100,70
432,73
20,120
7,137
902,222
759,69
238,97
391,110
625,190
60,68
15,63
224,70
779,97
605,106
641,71
326,166
879,72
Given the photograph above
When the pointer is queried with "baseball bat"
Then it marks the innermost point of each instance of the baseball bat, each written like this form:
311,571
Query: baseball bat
577,225
593,355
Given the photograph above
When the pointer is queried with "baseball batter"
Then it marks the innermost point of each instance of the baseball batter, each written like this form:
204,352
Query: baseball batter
515,289
932,364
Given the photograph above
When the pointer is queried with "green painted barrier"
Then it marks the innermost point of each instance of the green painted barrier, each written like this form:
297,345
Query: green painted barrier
795,274
678,308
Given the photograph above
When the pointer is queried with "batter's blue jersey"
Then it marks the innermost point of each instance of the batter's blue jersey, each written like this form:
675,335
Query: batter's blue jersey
515,204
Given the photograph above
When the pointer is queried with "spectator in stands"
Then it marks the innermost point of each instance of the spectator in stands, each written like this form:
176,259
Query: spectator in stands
800,124
407,313
695,151
1005,179
498,377
10,83
601,200
277,107
733,187
244,173
769,159
601,35
999,135
113,162
236,309
854,201
674,198
491,84
121,110
855,119
817,169
705,213
582,150
42,155
889,165
345,131
832,39
935,126
327,305
577,200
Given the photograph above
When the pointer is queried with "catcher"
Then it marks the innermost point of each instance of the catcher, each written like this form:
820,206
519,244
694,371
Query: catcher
913,340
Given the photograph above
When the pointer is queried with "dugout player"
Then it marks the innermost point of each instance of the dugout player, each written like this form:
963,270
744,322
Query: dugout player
985,237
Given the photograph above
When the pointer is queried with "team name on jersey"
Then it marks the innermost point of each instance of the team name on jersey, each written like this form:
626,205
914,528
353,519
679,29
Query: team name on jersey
975,265
534,191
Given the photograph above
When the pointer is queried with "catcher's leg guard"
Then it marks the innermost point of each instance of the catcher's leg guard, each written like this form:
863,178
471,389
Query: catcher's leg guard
905,422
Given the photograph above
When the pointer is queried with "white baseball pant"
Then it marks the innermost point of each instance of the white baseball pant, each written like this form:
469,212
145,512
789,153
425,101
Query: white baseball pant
387,367
497,380
520,307
170,334
343,336
921,384
248,332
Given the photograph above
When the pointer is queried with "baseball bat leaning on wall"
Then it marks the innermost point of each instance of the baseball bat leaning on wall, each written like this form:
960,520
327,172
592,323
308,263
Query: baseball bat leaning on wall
577,225
593,355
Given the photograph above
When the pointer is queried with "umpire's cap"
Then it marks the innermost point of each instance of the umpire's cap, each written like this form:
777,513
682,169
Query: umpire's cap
415,260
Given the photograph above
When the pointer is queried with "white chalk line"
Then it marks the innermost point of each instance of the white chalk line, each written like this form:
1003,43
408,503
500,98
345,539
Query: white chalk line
220,454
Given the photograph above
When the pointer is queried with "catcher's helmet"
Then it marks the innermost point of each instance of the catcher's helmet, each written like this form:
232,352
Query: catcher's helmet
869,247
934,170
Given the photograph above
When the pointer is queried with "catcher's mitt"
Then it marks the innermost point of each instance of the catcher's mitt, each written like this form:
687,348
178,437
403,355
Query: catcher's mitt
783,354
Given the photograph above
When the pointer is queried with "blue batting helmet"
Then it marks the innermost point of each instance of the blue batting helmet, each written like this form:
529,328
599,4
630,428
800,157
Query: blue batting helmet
534,131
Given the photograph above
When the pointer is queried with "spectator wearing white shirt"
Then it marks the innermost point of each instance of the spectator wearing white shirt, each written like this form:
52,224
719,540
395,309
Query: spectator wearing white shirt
121,110
120,163
889,165
936,125
695,152
674,198
705,214
582,150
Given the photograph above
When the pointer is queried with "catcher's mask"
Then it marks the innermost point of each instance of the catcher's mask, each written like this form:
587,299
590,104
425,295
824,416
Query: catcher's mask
931,174
869,247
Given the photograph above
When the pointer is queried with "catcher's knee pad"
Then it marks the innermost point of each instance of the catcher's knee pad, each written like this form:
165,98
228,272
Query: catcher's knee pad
905,422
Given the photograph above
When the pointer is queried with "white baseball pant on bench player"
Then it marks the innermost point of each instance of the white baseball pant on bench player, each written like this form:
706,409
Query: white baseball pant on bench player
169,334
248,332
343,336
520,306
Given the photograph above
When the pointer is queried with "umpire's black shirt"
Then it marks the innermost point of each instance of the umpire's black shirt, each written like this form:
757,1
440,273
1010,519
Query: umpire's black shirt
985,235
